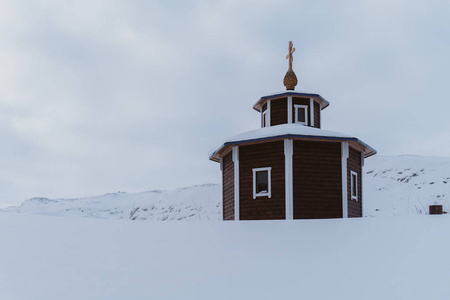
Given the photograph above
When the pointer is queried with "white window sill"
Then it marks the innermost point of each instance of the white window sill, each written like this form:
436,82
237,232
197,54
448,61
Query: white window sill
262,195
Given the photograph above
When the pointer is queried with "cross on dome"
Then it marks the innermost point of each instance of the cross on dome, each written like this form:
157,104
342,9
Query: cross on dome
290,79
290,56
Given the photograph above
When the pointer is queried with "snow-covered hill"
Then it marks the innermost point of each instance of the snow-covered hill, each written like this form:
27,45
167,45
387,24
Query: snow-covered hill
201,202
393,186
405,185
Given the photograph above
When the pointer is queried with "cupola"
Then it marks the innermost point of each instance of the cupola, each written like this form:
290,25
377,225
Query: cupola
291,107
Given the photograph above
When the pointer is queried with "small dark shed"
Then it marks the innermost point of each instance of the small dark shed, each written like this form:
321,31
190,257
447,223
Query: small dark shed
290,168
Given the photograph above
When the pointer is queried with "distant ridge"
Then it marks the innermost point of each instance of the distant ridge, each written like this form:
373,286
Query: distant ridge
393,186
200,202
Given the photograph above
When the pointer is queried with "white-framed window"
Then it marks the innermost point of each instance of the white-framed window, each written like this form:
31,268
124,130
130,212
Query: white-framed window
354,185
265,115
262,182
301,114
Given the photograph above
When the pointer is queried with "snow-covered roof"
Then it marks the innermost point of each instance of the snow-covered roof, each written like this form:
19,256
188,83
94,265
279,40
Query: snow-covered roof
323,103
283,131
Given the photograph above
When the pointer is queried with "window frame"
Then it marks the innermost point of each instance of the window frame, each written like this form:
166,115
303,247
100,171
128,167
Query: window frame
305,107
354,183
269,182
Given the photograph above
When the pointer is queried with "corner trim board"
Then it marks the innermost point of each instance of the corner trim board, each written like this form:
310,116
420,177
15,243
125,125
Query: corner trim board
235,156
288,169
289,109
362,160
262,118
362,189
344,155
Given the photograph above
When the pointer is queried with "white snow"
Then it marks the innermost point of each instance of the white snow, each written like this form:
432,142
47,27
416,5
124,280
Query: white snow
42,257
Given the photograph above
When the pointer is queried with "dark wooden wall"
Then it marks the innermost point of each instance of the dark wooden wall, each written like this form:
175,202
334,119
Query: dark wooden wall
228,187
354,164
316,114
269,154
317,180
278,111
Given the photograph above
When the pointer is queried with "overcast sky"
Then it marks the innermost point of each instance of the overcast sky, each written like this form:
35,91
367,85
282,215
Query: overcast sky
107,96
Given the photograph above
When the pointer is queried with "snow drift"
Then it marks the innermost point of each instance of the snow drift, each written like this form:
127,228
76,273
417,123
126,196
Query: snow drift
46,258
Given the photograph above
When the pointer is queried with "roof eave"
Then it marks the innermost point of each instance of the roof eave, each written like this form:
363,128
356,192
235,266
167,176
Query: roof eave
368,151
323,103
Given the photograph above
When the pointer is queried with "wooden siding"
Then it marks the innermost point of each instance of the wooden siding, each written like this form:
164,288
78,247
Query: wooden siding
316,114
278,111
354,164
317,180
228,187
269,154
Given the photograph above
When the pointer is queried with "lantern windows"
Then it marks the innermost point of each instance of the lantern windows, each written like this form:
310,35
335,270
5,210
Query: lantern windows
301,114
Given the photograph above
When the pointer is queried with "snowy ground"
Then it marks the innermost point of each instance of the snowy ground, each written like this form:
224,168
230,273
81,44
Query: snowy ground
43,257
107,257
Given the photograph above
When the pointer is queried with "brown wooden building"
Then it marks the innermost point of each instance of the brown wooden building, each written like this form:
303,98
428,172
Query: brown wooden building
290,168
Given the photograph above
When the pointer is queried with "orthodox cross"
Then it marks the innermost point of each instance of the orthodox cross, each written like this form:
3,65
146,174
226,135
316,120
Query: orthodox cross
291,51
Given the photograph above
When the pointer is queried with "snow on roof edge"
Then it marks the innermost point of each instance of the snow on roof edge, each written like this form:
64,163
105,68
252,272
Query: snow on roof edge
286,131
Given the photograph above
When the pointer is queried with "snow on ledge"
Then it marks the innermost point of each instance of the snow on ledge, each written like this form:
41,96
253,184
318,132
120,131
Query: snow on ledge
281,130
